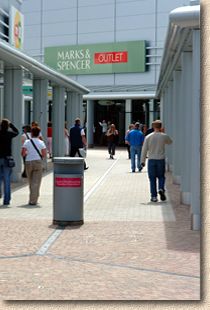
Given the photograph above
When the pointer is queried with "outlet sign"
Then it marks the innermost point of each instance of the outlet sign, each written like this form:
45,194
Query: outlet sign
122,57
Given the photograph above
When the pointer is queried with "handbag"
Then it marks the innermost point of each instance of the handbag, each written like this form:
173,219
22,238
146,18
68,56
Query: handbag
10,161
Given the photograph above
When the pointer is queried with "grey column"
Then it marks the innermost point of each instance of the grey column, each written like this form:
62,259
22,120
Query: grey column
186,60
40,104
176,128
74,108
195,161
170,124
151,111
69,116
58,120
128,113
13,106
1,102
167,123
90,123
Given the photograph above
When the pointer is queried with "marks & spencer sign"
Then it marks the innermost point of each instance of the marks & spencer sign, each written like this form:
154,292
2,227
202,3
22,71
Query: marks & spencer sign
97,58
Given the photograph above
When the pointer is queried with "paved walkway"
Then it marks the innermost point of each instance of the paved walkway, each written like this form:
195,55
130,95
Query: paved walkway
127,249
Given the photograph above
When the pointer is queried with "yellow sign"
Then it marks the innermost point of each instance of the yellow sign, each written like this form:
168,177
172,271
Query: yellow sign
16,28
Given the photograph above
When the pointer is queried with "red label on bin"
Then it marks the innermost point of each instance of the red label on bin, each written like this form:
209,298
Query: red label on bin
67,182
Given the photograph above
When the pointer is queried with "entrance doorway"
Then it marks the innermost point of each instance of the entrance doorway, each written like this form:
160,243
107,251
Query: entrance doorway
113,112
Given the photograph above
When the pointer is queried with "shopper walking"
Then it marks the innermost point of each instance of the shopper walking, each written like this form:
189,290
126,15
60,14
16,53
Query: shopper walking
135,139
49,139
104,128
154,147
25,136
7,132
77,140
66,139
112,138
130,127
34,150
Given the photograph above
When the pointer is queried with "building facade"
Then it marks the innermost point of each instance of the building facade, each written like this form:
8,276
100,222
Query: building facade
71,26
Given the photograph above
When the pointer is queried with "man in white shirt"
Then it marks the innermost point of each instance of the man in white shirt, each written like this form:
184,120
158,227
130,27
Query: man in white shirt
154,147
104,126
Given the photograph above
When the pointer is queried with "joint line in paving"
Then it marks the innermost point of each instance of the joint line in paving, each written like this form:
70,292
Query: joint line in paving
123,266
97,184
16,256
47,244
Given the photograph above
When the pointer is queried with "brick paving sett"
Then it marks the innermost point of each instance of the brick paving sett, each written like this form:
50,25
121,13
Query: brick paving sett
127,249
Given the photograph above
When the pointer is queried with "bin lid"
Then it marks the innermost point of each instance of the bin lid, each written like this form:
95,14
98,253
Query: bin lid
68,160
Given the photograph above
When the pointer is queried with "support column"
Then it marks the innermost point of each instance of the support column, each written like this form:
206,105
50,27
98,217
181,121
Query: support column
195,161
13,98
151,112
40,104
1,102
170,124
128,113
58,120
186,60
176,128
90,123
74,108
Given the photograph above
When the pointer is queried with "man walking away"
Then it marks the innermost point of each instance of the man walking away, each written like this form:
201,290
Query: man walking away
77,140
135,139
154,145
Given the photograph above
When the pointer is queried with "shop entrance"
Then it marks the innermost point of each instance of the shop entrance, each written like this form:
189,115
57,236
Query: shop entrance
113,112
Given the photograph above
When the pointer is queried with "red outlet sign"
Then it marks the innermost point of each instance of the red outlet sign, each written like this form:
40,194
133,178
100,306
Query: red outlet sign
67,182
110,57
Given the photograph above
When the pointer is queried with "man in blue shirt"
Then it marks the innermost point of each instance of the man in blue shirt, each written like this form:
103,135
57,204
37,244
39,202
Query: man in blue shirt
135,139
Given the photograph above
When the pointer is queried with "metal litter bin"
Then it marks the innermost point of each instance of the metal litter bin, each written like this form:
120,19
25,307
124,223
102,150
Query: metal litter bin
68,191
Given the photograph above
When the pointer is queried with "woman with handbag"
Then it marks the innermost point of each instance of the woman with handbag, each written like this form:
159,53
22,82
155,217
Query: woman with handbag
34,151
7,132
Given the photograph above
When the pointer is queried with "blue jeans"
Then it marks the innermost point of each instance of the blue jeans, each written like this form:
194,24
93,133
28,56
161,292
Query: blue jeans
156,170
5,173
135,150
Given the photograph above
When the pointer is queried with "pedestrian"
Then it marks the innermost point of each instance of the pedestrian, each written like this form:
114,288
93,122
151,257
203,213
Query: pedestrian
130,127
34,150
103,125
49,139
25,136
7,132
77,140
66,139
112,138
154,147
36,124
135,139
148,131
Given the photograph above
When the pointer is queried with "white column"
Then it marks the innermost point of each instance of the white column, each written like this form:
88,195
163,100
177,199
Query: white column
40,104
58,121
176,128
186,60
74,108
128,113
13,98
151,112
170,123
195,131
90,123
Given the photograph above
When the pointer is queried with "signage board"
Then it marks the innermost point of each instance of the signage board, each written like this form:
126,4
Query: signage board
16,24
121,57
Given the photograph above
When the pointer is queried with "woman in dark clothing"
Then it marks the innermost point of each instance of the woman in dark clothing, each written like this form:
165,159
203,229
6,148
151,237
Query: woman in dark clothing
7,132
112,138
